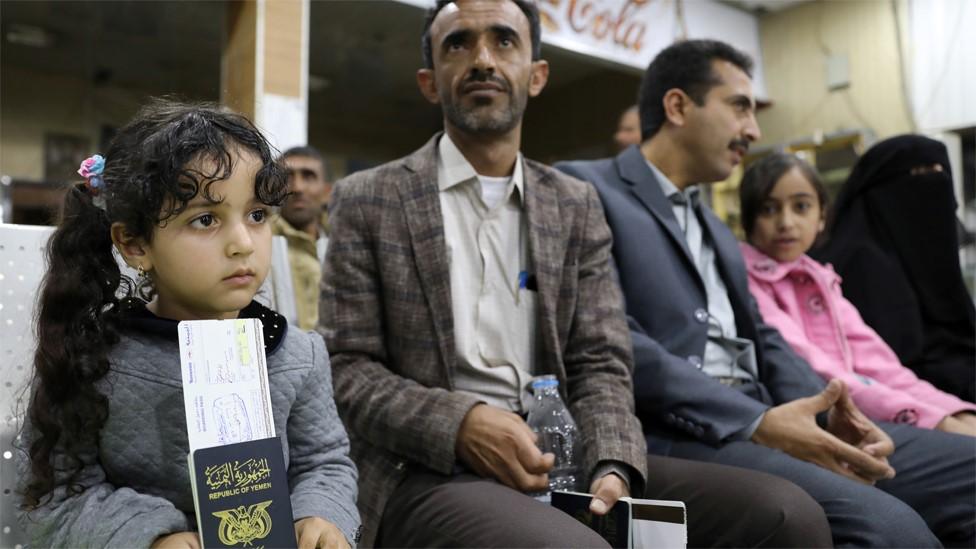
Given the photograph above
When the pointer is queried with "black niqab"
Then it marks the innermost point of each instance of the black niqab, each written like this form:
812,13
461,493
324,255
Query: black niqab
892,236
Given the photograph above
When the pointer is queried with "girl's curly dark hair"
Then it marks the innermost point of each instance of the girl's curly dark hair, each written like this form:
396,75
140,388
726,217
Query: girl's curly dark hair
152,170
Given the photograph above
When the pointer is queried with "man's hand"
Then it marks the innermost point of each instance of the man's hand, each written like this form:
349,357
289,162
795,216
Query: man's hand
848,423
606,491
179,540
498,444
318,533
962,423
857,452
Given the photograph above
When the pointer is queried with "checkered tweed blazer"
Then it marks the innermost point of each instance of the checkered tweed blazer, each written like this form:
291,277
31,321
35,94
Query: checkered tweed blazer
387,320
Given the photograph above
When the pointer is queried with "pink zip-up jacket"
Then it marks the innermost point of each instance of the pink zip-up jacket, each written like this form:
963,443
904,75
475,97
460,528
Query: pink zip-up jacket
803,300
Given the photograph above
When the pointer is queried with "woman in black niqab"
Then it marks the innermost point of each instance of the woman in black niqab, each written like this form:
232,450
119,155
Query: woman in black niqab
892,236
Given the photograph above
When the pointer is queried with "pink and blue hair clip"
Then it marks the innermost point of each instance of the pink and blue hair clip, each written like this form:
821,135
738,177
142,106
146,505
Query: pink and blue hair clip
91,169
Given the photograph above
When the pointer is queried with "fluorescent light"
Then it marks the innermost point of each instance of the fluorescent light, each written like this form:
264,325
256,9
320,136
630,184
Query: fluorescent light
29,35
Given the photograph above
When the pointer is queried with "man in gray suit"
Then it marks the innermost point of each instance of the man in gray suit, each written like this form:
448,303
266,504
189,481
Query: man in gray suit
456,274
712,381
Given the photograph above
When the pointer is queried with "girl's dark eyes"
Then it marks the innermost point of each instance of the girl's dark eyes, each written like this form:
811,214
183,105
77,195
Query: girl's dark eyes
204,220
804,206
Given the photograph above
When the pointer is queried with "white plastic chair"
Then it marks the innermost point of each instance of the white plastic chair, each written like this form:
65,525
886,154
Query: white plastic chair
21,268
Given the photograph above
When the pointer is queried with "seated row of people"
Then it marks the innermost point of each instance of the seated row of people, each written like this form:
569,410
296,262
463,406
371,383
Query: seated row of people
747,398
783,205
894,238
453,276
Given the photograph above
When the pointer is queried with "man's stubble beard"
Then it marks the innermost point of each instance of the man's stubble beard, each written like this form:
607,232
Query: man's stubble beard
469,120
300,219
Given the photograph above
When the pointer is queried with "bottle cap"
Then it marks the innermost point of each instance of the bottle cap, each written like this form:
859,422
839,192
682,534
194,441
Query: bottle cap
545,382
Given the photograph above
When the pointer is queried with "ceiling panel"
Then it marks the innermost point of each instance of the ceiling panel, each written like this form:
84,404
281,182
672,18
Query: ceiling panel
152,45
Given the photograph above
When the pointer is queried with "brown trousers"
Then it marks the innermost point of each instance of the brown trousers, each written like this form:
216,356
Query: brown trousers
727,507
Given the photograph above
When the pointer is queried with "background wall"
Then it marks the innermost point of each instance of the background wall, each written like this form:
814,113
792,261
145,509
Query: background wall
105,58
78,67
34,104
941,66
796,43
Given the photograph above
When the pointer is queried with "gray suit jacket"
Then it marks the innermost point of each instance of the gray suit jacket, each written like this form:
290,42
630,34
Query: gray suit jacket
663,291
386,316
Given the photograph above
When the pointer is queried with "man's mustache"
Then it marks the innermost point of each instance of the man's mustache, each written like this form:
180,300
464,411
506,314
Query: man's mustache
482,77
740,144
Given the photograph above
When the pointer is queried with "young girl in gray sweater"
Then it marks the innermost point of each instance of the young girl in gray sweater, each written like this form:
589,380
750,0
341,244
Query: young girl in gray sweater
184,194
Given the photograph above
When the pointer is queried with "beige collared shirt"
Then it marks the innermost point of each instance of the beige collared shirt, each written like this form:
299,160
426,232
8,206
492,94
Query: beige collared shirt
487,249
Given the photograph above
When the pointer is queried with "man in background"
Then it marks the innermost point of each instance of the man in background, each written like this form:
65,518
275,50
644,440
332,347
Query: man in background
303,223
628,128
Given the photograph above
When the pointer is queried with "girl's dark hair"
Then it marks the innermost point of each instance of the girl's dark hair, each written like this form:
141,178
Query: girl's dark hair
154,166
762,176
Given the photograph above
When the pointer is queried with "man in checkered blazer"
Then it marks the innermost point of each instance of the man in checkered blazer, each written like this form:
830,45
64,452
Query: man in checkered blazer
456,274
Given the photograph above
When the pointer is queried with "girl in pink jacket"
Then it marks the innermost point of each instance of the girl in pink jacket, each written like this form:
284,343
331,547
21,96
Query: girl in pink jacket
783,204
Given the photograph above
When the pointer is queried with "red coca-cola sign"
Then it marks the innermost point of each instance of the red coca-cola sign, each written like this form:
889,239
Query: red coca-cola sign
616,21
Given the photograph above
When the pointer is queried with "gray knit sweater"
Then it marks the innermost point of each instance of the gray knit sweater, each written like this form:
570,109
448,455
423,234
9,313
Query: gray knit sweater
136,485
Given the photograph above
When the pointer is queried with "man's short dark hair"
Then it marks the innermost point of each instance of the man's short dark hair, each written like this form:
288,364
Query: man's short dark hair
686,65
528,7
307,151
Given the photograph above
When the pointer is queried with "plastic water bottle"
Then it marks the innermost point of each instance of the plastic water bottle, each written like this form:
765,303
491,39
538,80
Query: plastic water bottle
551,420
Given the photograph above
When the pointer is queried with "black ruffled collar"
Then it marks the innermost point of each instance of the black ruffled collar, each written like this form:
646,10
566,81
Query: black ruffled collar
139,318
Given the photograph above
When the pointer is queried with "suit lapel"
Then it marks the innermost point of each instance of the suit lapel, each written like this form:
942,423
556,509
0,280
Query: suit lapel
547,246
420,198
646,188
